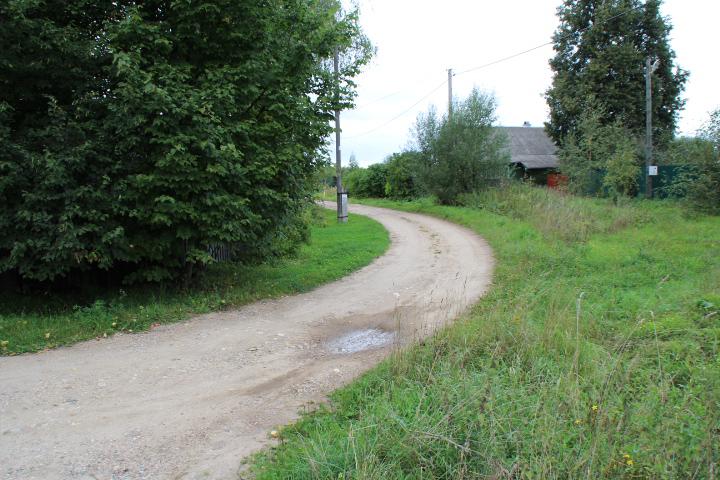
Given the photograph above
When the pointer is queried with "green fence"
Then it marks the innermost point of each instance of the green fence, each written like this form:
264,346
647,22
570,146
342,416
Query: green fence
662,182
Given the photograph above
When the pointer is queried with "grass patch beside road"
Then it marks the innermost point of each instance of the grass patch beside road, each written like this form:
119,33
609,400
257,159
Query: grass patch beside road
595,355
30,324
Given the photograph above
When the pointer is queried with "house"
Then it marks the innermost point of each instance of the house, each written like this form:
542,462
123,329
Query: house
532,152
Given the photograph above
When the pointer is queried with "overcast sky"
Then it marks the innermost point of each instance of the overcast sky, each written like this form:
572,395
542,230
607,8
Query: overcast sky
418,40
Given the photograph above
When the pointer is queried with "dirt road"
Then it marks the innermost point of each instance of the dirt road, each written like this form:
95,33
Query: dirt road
190,400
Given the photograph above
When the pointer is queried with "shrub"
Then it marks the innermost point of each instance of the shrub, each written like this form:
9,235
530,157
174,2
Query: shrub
367,182
686,151
402,175
600,158
700,180
460,153
704,192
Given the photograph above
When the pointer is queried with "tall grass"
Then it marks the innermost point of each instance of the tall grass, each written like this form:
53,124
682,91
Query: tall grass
558,214
595,355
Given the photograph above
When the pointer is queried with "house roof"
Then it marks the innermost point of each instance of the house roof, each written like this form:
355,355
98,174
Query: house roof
531,147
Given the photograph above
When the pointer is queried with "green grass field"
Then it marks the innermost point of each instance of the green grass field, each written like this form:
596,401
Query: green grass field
595,355
35,323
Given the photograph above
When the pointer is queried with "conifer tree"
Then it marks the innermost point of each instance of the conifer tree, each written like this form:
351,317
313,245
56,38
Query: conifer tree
601,47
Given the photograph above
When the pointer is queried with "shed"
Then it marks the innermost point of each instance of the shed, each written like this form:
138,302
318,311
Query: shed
532,152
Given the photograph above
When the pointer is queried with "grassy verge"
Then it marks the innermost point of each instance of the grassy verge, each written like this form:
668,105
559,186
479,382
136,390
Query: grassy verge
595,355
31,324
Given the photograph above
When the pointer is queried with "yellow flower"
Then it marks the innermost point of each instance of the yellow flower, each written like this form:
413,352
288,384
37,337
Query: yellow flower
629,462
626,456
578,421
594,408
47,334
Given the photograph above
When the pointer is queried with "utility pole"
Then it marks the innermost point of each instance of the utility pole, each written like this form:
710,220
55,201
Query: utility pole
649,69
450,97
342,204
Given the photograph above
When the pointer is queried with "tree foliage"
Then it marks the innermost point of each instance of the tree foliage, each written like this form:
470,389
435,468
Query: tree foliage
367,182
686,151
462,152
700,183
136,134
402,181
600,50
600,158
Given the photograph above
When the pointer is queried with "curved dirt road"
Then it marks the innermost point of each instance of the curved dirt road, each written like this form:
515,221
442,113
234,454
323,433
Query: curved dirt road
189,400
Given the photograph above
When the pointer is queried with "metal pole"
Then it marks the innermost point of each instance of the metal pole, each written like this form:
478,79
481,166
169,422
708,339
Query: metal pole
648,127
450,97
341,195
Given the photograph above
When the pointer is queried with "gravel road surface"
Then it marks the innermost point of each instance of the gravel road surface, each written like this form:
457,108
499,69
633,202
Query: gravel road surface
190,400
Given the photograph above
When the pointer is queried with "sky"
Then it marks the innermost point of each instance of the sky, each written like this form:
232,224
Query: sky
418,40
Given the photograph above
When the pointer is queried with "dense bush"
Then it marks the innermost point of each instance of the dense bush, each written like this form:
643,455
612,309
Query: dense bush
686,151
367,182
460,153
136,134
600,158
700,181
402,180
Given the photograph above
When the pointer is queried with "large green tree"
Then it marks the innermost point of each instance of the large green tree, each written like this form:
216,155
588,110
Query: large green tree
600,51
137,134
56,194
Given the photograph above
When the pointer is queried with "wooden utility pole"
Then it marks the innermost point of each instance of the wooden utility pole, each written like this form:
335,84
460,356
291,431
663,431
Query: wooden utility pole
342,208
450,97
649,69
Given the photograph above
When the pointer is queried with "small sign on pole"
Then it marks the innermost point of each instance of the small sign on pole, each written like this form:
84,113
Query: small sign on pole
652,170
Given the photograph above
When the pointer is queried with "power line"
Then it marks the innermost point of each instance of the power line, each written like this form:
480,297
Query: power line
384,97
510,57
489,64
401,113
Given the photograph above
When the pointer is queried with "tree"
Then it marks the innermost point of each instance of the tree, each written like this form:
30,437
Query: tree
367,182
600,50
701,181
57,196
138,134
600,158
402,175
460,153
621,167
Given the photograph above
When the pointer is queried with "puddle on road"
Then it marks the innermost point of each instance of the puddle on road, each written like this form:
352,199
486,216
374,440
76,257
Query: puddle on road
360,340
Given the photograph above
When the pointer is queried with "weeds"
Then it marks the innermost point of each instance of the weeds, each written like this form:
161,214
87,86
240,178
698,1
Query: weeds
559,215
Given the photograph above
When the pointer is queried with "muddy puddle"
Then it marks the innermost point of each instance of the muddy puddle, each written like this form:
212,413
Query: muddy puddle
360,340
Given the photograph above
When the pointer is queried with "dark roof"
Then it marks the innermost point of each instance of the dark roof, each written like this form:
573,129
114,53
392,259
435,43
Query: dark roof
531,147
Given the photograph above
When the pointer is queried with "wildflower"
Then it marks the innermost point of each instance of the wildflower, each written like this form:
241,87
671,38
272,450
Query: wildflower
629,462
594,408
578,421
626,456
47,334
